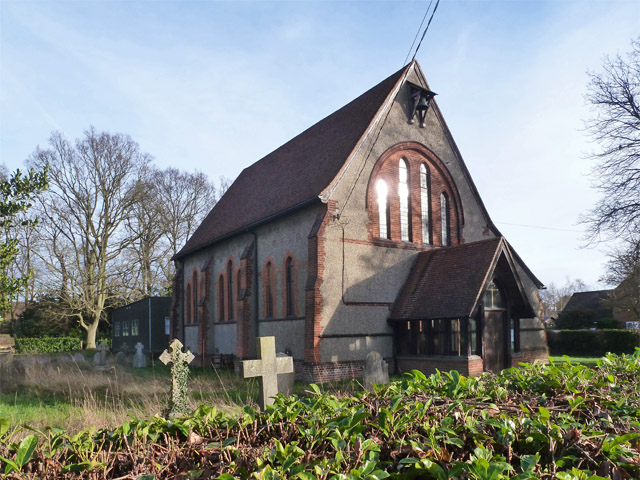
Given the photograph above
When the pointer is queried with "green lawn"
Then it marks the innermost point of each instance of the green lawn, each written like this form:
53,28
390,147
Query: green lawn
586,361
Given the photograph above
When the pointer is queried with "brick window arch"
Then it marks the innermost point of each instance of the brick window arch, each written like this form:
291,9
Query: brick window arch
414,178
230,290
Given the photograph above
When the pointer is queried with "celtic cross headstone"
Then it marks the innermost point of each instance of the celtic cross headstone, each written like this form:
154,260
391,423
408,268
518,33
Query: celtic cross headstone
179,373
267,367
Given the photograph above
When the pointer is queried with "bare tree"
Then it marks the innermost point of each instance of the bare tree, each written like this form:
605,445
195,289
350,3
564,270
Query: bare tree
554,298
623,272
94,187
185,199
614,95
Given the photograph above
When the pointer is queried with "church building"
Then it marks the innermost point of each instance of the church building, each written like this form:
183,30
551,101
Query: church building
363,233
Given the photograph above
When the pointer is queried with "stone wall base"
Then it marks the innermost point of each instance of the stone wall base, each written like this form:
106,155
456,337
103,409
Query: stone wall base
530,356
468,366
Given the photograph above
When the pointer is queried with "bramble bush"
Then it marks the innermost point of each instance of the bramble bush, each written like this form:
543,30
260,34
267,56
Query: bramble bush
558,421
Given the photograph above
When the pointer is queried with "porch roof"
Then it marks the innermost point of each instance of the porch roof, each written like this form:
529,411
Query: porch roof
449,282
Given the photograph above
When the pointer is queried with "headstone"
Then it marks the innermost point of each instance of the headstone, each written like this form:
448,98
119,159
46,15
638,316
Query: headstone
267,367
79,359
7,344
179,373
121,358
139,359
285,380
101,356
376,371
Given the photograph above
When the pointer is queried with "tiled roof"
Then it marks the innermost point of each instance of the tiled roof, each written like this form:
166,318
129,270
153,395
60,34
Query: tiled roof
446,282
593,300
294,174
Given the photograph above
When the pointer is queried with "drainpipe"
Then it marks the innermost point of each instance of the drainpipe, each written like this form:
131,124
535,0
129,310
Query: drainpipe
254,332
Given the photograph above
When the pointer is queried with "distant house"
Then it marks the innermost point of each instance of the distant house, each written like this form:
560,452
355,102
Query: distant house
146,321
597,305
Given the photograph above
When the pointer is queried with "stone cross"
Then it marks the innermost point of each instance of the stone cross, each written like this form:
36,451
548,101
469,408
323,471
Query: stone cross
267,367
102,347
179,372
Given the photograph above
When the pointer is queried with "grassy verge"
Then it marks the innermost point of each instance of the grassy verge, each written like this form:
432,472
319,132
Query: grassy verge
586,361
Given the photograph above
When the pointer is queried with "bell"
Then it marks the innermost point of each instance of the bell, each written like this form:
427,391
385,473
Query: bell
423,104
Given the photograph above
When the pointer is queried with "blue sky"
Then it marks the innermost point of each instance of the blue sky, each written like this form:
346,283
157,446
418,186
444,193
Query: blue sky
215,86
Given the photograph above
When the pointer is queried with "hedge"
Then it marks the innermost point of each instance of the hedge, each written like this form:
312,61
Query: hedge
592,343
48,344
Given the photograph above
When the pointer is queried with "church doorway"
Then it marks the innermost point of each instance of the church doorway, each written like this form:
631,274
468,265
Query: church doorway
494,335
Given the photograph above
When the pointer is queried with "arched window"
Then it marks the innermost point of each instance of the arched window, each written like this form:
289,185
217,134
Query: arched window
444,215
424,203
383,207
289,286
187,305
268,291
221,298
403,193
230,289
195,297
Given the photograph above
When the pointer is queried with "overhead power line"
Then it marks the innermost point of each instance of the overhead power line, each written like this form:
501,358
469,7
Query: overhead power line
417,33
425,30
540,227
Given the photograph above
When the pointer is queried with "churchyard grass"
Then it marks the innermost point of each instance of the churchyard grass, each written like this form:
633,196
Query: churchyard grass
586,361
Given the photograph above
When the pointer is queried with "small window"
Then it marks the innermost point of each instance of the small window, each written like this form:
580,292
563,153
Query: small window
424,203
167,325
382,192
515,335
221,298
289,286
135,328
195,298
125,329
403,194
188,303
116,329
268,291
444,215
493,299
230,289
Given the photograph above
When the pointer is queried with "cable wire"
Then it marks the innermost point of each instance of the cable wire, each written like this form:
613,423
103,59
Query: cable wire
417,33
425,30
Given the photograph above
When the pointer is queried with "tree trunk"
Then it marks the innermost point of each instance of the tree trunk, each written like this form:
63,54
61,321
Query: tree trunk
92,330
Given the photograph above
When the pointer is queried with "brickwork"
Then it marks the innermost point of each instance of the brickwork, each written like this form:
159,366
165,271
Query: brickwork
313,295
329,372
440,181
530,356
203,315
244,307
468,366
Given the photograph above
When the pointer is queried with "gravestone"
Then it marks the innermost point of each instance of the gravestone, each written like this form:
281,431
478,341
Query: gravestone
179,373
285,380
79,359
121,358
376,371
101,357
7,344
139,359
267,367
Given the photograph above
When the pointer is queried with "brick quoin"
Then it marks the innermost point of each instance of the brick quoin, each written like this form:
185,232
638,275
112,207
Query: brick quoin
203,311
244,309
386,168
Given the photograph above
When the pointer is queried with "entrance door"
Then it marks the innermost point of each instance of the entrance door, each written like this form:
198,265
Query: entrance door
493,338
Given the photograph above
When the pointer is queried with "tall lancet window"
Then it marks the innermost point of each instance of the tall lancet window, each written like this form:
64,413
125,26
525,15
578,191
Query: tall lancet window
424,203
444,215
230,290
383,207
403,193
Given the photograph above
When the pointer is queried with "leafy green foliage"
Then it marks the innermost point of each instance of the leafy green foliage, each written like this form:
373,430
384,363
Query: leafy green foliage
535,422
48,344
16,194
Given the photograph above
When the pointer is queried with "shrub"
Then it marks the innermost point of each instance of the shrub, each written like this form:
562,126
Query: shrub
48,344
592,343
